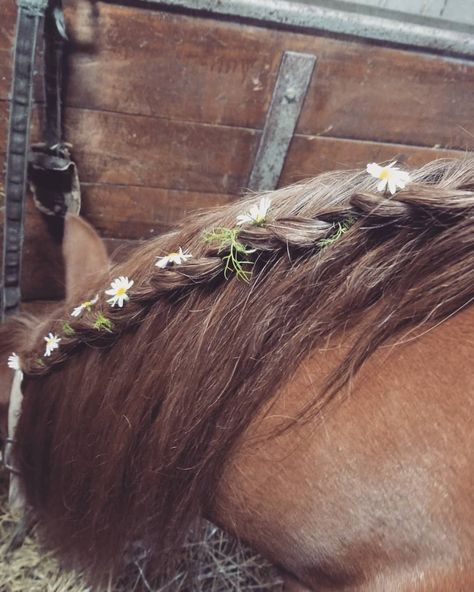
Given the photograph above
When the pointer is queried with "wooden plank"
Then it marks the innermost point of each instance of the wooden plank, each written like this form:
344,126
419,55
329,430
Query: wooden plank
141,212
148,62
137,150
123,149
369,93
4,106
309,156
136,212
148,152
222,73
177,67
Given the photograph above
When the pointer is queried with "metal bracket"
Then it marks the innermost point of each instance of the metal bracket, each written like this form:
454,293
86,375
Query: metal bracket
289,93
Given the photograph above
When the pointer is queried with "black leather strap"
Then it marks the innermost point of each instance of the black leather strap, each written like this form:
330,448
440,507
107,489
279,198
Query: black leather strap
29,21
54,40
51,172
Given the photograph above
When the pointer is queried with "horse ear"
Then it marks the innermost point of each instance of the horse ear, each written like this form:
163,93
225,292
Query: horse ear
85,257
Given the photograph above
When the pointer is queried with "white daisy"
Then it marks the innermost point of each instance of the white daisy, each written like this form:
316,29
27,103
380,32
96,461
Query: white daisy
14,361
87,305
390,176
118,291
257,213
176,258
52,343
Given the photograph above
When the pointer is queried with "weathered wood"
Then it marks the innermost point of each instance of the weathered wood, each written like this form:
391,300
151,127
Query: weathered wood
124,149
141,212
7,35
188,68
165,113
369,93
118,149
222,73
138,150
309,156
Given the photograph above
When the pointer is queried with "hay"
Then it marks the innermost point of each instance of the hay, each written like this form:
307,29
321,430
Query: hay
209,562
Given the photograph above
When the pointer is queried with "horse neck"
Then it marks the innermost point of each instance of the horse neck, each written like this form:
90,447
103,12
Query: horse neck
390,461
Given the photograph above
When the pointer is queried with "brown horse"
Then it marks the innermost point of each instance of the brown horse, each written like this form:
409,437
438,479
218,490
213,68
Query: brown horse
305,381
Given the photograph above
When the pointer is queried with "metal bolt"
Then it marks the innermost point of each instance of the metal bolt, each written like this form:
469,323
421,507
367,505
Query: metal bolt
291,95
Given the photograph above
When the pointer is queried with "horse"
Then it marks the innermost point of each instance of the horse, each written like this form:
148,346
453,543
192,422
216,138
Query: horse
296,367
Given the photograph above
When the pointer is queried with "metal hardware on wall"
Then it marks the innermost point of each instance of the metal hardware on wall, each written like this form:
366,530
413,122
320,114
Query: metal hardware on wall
294,76
340,18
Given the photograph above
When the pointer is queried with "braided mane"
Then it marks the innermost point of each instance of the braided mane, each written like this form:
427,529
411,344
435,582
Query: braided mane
124,433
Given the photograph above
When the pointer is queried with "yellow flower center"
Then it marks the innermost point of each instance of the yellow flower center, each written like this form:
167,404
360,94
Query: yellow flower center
173,255
384,174
121,291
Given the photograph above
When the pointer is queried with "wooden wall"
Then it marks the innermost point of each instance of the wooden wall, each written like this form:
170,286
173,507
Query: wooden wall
165,112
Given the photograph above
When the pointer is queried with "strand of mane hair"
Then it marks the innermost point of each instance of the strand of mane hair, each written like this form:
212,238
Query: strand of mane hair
127,442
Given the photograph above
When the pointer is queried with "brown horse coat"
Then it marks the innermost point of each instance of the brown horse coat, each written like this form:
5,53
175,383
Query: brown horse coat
264,404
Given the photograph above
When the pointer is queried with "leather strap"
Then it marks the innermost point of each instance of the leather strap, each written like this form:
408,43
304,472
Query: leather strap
52,173
29,21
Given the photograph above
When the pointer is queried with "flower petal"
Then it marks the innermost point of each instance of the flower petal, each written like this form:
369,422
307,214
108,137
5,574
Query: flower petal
162,262
392,185
374,169
77,311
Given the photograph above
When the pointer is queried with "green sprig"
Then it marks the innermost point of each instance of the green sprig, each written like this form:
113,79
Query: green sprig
340,228
234,261
68,330
103,323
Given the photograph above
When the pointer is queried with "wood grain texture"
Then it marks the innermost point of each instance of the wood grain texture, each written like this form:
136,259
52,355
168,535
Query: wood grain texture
146,151
141,212
309,156
183,68
122,149
165,113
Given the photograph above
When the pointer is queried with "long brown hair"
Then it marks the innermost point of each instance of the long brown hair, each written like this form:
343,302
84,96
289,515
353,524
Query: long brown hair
125,431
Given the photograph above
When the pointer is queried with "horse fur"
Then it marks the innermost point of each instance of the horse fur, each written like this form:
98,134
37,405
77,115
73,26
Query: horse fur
124,436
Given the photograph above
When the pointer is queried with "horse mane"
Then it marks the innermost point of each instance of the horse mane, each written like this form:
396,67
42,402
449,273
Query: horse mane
124,432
